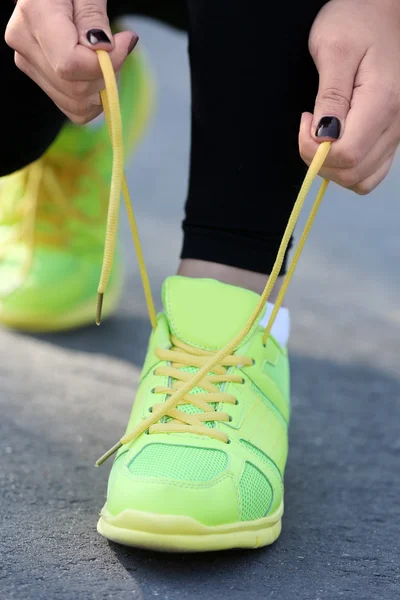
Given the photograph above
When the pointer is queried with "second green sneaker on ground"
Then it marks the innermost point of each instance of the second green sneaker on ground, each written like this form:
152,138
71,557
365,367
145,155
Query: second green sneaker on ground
209,474
53,218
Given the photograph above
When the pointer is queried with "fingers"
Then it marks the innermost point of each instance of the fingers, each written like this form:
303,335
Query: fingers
80,105
371,136
368,185
72,60
352,104
92,24
371,132
357,106
337,66
94,32
371,114
358,177
54,43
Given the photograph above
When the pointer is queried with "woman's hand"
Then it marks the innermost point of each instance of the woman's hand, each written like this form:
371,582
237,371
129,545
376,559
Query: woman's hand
54,42
355,45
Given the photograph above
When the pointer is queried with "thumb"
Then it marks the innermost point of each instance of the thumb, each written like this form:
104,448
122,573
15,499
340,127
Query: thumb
92,24
336,82
94,31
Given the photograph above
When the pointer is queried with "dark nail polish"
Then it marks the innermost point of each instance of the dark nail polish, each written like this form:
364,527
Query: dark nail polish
132,45
97,36
329,127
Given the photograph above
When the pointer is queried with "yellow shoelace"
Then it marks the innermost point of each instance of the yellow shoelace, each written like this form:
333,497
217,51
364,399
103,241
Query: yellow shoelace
48,188
180,354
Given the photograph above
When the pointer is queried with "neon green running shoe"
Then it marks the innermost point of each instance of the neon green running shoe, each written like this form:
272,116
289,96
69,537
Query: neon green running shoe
53,219
209,474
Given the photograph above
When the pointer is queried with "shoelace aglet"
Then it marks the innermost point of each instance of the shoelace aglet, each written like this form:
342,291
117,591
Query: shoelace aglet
100,297
107,455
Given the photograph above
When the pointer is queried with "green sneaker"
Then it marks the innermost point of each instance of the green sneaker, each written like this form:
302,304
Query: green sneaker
209,475
53,219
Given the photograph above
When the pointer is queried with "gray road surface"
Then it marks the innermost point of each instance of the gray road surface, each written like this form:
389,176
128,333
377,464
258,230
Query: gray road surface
66,398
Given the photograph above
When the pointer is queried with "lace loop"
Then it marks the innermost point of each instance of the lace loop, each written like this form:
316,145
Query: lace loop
211,363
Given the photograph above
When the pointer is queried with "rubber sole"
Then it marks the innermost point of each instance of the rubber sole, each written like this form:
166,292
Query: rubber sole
80,316
171,533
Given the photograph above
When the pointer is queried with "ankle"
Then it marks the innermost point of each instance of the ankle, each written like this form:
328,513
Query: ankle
249,280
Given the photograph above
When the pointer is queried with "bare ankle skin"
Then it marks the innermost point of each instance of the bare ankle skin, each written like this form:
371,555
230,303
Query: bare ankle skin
232,275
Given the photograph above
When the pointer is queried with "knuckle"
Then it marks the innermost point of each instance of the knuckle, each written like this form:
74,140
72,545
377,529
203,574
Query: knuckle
334,96
64,69
23,6
80,109
392,101
364,188
80,89
347,158
330,46
83,112
12,36
338,44
19,61
89,12
22,64
79,119
14,32
348,178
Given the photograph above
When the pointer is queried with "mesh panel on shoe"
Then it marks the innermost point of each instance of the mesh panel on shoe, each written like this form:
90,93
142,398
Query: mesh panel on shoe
256,493
264,457
189,408
192,371
185,463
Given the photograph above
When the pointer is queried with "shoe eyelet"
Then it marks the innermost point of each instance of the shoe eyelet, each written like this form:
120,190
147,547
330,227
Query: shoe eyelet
154,372
236,402
150,409
230,418
243,381
229,441
253,362
153,391
147,432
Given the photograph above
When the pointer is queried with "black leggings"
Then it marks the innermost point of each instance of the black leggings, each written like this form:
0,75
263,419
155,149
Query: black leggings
252,77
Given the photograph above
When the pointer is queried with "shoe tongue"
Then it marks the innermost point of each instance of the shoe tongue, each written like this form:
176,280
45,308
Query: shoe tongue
206,313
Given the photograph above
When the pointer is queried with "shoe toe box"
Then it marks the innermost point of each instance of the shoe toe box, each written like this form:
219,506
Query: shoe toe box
168,479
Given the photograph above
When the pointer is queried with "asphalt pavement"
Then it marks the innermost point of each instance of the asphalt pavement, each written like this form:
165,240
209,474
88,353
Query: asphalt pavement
66,398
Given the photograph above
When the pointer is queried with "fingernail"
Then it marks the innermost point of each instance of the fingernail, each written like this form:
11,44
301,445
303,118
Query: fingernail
133,43
328,127
97,36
